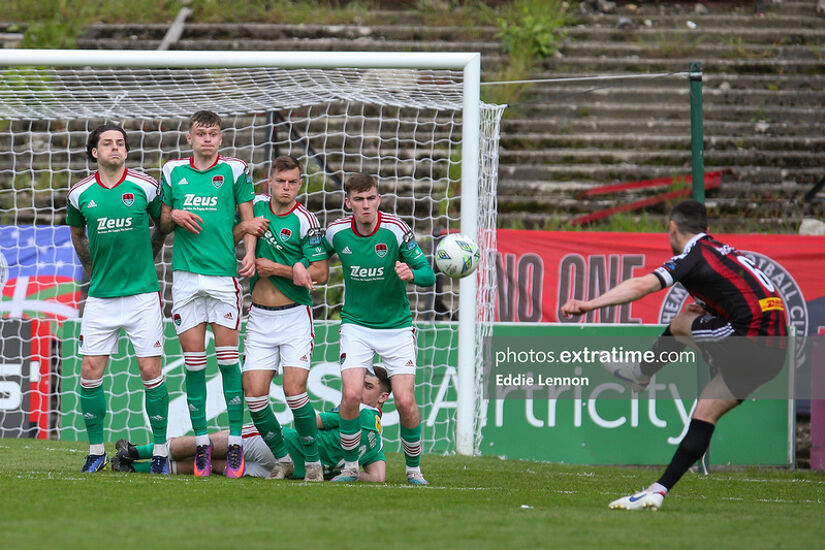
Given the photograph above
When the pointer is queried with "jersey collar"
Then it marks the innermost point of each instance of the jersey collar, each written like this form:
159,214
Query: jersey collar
192,163
121,180
355,229
693,241
291,210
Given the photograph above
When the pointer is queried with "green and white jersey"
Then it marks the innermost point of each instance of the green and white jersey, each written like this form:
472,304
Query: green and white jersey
329,439
213,194
290,237
117,222
374,296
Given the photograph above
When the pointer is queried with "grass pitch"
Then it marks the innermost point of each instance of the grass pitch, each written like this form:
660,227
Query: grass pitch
472,503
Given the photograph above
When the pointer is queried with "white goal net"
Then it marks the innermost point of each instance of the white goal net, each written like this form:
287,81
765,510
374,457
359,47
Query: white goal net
404,126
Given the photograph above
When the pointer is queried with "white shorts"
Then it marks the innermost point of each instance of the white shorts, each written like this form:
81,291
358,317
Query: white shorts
200,299
257,455
139,315
282,338
395,346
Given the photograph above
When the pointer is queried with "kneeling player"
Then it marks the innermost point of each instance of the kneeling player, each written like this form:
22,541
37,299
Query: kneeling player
260,462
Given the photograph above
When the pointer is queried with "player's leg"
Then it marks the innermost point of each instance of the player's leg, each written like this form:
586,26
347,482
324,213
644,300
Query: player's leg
224,314
297,398
145,329
99,332
674,338
93,406
708,334
189,314
357,353
403,391
296,354
261,362
256,383
398,353
226,349
192,343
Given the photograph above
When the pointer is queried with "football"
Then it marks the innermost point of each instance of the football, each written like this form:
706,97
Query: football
457,255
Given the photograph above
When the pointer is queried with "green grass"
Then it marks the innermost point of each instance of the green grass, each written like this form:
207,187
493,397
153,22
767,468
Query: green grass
472,503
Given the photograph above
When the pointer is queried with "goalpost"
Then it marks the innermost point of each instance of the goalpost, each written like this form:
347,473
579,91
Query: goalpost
412,119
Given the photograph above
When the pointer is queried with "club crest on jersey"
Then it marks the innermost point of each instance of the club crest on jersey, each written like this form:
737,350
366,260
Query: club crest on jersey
177,319
128,199
217,181
286,233
381,250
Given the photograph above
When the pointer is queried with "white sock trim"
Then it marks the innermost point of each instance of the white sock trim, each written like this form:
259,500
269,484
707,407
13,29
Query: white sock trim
194,360
297,401
257,403
226,355
153,383
91,383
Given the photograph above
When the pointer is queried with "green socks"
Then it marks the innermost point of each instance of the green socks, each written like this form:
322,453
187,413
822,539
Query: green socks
268,426
411,441
305,425
93,406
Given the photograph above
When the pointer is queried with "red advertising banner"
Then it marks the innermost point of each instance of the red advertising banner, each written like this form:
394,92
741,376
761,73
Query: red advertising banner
539,270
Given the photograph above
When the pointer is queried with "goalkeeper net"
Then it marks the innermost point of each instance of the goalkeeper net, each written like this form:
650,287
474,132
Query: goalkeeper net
402,125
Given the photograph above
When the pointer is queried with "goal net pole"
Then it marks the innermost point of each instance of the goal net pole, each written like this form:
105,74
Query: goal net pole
467,412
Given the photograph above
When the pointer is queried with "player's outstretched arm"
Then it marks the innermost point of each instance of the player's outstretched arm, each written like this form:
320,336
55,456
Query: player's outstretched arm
81,246
374,472
626,291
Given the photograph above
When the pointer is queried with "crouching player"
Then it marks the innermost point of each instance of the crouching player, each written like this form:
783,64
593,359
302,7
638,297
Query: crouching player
260,462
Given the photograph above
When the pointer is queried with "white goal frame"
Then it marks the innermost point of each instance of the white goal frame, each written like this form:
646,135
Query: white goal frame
468,63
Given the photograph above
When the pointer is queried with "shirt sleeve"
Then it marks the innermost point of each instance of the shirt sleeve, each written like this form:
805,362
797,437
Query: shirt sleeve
155,205
244,190
329,420
412,255
313,245
165,190
73,216
676,268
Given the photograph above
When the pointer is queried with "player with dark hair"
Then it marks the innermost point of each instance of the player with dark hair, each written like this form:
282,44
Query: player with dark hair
260,462
114,206
738,323
200,197
290,260
379,256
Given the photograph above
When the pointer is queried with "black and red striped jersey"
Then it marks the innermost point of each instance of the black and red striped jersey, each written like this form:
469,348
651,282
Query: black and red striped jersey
728,284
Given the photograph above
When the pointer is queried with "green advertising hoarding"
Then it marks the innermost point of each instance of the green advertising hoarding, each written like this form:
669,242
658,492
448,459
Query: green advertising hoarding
594,424
124,389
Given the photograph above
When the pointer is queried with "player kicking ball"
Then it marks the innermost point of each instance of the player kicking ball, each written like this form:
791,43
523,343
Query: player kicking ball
738,324
261,462
290,259
114,206
379,256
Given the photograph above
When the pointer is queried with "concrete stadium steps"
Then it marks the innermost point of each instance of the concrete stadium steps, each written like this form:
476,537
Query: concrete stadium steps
763,84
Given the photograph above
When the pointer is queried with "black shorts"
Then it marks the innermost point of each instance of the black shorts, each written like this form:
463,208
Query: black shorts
745,363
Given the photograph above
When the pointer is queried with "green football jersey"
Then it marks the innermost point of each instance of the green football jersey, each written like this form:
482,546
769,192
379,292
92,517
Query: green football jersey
117,222
213,194
329,440
374,296
290,237
329,443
